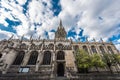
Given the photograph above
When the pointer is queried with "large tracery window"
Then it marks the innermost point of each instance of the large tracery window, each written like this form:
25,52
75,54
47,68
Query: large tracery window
102,49
85,48
33,58
60,55
93,49
19,58
47,58
110,50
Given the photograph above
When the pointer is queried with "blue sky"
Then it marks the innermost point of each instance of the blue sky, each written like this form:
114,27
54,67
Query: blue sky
81,18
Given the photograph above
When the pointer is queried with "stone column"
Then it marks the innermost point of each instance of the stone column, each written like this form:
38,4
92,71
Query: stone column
38,61
26,58
53,64
9,59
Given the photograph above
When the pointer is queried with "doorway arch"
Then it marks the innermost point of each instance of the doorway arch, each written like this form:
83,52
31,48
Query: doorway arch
60,69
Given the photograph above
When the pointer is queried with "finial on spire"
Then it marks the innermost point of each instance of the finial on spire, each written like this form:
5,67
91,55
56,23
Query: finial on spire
101,39
22,37
11,37
60,23
94,40
87,39
31,37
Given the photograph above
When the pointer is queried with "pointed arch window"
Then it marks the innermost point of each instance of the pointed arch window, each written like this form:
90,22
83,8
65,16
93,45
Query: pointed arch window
60,55
33,58
47,58
110,50
102,49
19,58
93,49
85,48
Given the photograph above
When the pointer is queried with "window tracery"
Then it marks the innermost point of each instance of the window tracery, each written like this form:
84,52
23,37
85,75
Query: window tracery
60,55
93,49
46,58
19,58
33,58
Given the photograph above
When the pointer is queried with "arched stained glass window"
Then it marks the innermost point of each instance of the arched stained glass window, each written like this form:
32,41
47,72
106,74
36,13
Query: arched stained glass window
85,48
19,58
47,58
60,55
33,58
93,49
102,49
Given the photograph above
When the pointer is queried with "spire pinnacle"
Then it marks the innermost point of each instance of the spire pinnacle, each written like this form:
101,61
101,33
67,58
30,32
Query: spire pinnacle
60,23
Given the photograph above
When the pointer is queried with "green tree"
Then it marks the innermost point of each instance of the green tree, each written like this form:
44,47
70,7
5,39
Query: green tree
116,58
83,61
97,61
109,60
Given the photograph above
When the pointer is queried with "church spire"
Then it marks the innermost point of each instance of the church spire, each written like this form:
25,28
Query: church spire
60,33
60,24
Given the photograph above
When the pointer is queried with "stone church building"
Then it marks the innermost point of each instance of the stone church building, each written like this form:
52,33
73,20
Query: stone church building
37,59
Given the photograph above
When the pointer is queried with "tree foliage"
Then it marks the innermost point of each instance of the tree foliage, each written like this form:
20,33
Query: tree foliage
97,61
109,59
116,57
85,61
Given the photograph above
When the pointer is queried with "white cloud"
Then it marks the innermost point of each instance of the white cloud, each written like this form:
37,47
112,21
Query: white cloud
98,18
21,2
6,35
88,14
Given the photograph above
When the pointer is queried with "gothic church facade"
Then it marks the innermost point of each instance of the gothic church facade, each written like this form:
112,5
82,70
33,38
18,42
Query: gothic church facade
46,58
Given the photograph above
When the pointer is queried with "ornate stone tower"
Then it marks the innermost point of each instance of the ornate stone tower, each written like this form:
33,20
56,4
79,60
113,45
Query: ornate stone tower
60,33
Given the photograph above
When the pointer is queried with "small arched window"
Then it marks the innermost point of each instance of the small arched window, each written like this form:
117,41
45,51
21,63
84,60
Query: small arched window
102,49
85,48
47,58
93,49
60,55
110,50
19,58
33,58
